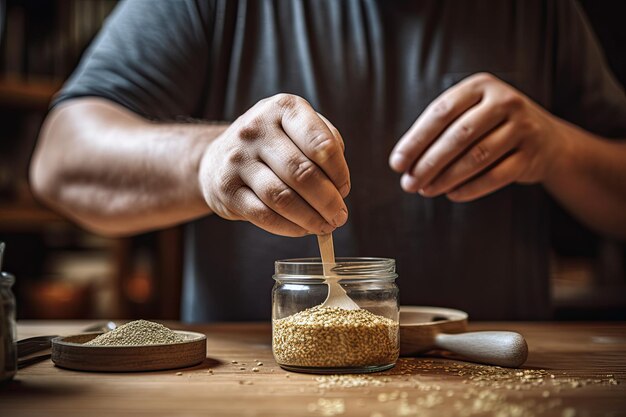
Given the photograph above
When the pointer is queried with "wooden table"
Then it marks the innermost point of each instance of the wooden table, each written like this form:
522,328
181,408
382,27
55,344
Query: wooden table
574,369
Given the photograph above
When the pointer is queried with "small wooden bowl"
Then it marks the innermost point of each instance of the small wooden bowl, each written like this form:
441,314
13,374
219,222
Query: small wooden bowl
71,353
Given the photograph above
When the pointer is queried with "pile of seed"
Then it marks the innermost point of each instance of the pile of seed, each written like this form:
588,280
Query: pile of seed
334,337
135,333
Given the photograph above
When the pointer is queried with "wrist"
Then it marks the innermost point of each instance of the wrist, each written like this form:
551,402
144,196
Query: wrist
570,142
203,153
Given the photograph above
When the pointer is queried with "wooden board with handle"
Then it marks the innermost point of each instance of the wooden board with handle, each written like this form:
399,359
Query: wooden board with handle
423,329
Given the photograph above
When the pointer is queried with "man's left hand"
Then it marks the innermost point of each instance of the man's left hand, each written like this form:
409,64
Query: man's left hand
477,137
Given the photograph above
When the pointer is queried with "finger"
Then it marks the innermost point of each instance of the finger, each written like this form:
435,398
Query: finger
249,207
345,190
454,141
480,156
288,162
504,173
334,131
311,134
284,201
437,116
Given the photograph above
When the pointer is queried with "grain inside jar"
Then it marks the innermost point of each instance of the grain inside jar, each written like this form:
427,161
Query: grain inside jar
324,337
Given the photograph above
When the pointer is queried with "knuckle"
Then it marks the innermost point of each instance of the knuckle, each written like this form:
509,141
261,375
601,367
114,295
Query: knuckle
286,101
251,129
228,186
281,196
348,187
512,101
316,224
263,215
425,164
483,78
428,163
237,156
527,127
338,139
462,135
303,171
324,145
441,109
478,155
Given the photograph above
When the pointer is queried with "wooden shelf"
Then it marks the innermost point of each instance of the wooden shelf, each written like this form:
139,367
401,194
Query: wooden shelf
27,94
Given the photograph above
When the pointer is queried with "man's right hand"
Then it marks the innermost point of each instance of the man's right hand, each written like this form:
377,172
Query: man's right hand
279,166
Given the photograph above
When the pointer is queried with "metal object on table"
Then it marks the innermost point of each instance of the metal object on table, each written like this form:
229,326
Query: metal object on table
27,347
8,359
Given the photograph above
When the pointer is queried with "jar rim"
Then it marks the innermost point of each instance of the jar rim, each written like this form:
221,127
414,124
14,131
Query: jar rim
344,267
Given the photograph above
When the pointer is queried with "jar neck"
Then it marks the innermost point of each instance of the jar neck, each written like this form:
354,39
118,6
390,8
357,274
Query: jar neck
344,268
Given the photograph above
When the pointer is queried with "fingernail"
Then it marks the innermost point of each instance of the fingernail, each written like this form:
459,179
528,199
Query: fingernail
340,218
345,190
398,162
409,183
327,228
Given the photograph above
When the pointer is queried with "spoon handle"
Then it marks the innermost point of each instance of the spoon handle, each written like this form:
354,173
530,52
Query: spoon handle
327,251
500,348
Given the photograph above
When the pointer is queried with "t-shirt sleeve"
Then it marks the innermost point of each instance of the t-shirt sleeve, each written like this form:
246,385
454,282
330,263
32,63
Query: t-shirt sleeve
586,92
150,56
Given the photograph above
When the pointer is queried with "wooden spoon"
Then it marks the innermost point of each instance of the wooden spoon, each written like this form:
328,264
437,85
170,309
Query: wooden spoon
337,296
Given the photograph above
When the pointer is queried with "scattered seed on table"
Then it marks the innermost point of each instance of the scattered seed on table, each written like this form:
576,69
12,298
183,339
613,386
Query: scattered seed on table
179,373
255,369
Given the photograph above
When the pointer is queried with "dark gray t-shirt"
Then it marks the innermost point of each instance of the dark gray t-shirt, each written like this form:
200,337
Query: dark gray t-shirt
371,67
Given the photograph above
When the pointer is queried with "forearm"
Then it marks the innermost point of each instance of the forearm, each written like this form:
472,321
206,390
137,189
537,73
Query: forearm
589,179
117,173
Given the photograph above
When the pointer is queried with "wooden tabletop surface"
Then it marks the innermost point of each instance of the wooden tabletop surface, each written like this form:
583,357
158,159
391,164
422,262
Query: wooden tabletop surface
573,370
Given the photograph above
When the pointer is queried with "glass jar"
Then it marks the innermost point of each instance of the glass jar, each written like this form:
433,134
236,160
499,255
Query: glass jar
307,337
8,351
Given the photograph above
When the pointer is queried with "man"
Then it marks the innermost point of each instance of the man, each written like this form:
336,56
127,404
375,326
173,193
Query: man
481,95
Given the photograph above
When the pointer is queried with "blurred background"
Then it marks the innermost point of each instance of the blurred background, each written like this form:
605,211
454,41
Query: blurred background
64,272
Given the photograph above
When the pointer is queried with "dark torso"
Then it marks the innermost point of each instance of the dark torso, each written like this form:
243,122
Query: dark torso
371,68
